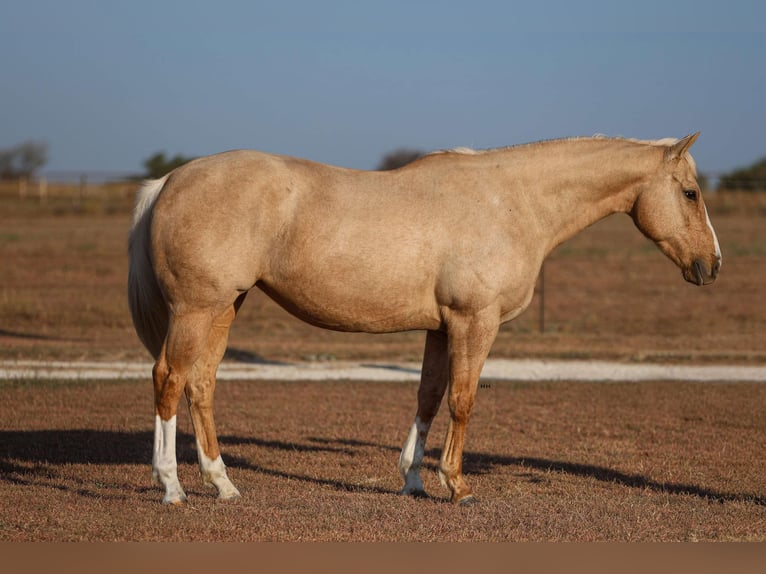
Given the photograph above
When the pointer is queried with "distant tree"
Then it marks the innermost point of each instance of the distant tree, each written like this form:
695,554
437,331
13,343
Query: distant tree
158,164
23,160
6,164
752,178
399,158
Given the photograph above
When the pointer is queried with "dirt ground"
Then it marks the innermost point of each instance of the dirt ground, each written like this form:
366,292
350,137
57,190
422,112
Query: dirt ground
317,461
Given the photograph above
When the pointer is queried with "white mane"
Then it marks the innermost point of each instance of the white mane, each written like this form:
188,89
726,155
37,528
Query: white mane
662,142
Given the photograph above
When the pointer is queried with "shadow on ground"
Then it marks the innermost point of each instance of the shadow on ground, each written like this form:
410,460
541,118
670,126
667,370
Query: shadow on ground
37,336
248,357
26,454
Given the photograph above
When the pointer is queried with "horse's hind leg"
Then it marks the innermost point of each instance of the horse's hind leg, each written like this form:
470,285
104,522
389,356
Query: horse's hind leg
433,382
185,341
199,394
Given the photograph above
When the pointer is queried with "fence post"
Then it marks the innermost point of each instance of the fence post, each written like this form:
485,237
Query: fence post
42,188
542,298
81,191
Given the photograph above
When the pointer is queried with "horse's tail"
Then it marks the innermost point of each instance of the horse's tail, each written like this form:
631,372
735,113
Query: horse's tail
147,304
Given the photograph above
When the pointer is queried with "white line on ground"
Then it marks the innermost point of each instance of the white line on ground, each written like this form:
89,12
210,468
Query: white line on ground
494,369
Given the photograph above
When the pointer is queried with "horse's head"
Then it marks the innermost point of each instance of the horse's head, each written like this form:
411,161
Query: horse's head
670,211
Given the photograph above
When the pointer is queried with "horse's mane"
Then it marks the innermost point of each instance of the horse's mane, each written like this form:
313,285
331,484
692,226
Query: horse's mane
662,142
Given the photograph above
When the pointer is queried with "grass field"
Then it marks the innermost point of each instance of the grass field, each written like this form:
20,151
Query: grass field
317,461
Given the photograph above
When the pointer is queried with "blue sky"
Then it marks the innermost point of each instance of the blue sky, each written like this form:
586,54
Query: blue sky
107,84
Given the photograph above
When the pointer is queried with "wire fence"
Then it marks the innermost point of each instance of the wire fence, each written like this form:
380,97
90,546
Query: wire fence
73,190
716,181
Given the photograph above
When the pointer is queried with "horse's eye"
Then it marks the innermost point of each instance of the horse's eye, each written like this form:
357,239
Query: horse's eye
691,194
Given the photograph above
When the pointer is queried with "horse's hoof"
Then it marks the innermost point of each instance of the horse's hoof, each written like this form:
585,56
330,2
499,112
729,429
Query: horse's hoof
174,495
417,493
469,500
229,495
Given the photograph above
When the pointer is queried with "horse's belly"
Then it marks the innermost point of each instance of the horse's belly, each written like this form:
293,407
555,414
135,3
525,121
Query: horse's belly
341,307
359,274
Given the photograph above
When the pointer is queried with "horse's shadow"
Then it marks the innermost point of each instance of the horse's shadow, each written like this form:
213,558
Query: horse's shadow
26,455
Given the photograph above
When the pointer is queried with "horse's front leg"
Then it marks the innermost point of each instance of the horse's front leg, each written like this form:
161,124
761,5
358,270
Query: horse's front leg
470,339
433,383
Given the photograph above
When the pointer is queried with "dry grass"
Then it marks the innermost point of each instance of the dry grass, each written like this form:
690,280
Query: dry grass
317,461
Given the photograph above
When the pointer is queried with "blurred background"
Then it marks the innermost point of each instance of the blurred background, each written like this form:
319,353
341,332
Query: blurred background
104,90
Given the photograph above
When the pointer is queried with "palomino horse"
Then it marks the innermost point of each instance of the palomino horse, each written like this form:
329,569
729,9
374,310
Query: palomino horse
451,244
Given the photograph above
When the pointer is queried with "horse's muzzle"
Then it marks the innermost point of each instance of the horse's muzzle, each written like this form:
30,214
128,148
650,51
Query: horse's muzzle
700,274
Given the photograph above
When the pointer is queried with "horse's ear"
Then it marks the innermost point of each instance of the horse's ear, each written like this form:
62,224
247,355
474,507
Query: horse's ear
679,148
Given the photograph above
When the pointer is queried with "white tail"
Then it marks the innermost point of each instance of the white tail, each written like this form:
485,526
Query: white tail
147,305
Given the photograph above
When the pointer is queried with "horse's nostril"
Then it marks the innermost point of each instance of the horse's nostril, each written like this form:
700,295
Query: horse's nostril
716,267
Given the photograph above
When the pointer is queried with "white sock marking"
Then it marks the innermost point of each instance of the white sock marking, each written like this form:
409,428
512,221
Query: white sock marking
164,464
214,472
412,457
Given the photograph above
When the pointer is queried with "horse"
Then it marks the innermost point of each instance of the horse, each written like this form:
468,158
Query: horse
451,244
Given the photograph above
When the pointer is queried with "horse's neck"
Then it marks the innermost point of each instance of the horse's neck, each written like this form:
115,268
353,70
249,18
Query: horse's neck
580,182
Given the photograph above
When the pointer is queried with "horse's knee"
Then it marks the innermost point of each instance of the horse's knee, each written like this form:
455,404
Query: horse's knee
460,409
199,391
